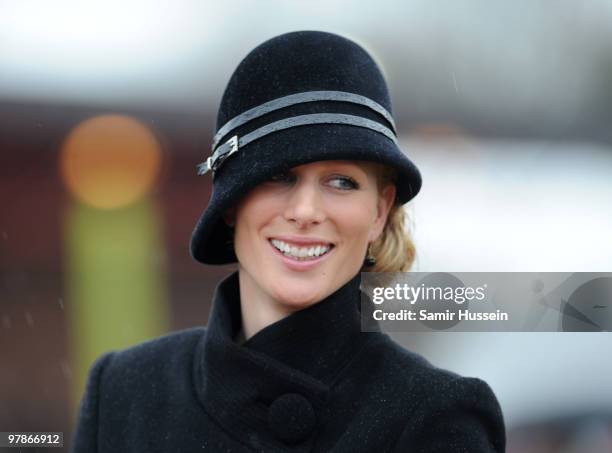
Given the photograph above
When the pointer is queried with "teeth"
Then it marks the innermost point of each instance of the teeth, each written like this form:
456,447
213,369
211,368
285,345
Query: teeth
302,253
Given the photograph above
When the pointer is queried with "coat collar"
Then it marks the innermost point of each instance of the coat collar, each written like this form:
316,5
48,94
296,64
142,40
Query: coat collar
254,389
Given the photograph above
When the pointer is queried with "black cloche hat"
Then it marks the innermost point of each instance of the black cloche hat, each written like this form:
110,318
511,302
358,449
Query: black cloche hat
297,98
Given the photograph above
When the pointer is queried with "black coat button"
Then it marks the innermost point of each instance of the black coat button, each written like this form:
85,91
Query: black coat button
291,418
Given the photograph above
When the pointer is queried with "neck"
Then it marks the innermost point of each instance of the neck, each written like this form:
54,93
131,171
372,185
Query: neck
258,309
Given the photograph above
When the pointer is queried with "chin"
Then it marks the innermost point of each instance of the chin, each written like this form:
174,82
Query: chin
296,297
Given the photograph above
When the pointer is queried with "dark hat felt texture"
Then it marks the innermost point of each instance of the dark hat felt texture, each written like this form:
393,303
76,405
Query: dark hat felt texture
297,62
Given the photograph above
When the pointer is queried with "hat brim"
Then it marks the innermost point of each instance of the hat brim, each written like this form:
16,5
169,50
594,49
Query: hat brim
266,157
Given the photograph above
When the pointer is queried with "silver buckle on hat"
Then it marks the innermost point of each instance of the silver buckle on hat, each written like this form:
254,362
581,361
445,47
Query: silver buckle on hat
228,148
234,144
216,159
205,166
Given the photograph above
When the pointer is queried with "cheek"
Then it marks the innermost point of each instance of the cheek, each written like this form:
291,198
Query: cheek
355,218
254,213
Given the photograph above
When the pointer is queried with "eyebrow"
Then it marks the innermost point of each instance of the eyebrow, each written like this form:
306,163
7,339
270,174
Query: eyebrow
352,168
342,168
346,166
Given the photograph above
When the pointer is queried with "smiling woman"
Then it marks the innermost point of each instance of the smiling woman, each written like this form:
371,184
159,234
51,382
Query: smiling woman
302,234
308,188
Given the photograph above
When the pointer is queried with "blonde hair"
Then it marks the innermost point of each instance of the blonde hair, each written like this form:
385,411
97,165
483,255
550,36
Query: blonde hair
394,249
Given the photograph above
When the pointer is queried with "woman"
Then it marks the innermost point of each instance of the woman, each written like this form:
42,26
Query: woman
308,183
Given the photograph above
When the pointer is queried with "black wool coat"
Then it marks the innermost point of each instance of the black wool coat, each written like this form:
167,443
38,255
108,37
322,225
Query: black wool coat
311,382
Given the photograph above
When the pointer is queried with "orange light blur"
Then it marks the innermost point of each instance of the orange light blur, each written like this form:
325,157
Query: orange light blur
110,161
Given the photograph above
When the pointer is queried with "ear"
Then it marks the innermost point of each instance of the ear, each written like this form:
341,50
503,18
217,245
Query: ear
383,206
229,217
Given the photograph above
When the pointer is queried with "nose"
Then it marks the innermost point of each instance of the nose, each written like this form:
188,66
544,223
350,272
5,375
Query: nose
304,205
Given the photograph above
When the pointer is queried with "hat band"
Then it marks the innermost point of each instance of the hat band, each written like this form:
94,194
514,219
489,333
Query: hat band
234,144
299,98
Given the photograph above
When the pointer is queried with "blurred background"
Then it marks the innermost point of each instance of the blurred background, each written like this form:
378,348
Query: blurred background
107,107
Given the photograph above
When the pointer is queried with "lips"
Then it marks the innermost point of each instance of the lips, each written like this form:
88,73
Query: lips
302,242
304,263
301,253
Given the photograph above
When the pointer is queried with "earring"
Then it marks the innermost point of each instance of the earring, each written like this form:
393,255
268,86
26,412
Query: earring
369,260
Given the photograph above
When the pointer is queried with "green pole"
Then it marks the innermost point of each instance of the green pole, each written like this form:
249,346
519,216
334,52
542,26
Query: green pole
115,282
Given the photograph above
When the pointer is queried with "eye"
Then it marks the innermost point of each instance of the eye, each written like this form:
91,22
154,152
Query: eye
336,181
344,183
